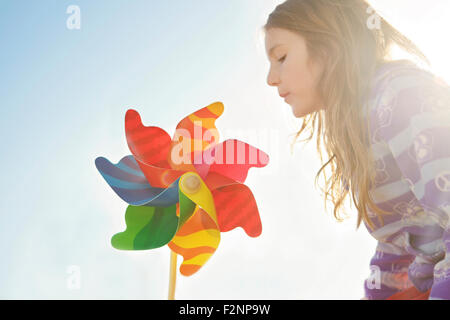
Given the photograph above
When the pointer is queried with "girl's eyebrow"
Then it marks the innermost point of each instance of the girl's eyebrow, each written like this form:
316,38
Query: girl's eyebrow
273,48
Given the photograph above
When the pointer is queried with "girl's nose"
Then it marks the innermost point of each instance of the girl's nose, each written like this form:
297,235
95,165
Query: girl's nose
272,80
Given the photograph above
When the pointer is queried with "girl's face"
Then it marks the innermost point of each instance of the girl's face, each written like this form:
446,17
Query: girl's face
292,71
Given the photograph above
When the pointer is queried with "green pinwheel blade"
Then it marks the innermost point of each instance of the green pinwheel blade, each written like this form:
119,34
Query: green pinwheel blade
147,228
187,208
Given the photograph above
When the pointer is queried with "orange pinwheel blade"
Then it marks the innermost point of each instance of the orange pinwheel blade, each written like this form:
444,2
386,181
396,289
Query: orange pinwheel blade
196,241
194,134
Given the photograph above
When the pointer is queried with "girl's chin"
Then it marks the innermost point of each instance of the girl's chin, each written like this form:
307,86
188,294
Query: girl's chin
295,109
299,113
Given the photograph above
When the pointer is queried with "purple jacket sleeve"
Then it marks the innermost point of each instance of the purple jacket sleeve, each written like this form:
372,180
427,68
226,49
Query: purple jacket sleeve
389,272
418,135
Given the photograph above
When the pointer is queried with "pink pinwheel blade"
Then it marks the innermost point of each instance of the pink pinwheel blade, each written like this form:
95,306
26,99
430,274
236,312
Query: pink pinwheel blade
233,159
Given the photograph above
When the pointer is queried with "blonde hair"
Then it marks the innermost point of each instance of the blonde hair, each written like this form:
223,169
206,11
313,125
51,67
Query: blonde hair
337,33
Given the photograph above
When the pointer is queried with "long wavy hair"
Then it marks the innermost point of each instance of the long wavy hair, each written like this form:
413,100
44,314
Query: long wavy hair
345,37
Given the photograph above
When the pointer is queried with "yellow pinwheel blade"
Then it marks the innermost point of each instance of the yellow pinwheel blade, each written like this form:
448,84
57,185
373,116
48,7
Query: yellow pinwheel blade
199,236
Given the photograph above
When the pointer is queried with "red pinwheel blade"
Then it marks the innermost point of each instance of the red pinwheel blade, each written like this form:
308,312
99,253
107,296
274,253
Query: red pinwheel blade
149,145
236,207
215,180
159,177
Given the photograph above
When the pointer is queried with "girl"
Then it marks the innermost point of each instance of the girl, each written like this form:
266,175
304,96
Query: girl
385,126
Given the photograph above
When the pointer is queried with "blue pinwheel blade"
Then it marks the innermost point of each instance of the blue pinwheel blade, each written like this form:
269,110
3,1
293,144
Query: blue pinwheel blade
130,184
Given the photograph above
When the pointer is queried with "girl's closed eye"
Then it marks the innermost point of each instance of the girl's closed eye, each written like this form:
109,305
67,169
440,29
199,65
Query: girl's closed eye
282,59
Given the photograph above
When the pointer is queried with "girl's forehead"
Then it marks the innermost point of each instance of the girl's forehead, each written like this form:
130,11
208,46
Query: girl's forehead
273,41
279,33
276,37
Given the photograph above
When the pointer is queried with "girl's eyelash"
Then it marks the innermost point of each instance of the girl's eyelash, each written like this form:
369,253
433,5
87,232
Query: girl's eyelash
282,59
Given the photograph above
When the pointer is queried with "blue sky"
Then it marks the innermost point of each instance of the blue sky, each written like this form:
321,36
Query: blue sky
64,96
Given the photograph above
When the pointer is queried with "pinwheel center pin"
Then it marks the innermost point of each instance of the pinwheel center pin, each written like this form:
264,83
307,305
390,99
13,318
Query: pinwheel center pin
191,183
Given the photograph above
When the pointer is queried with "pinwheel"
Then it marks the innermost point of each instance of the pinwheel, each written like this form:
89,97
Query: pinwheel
183,191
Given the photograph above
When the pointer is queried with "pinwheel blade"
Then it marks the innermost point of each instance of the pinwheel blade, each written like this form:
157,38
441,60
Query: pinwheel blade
233,159
157,176
199,237
147,228
149,145
129,183
236,207
194,134
196,241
